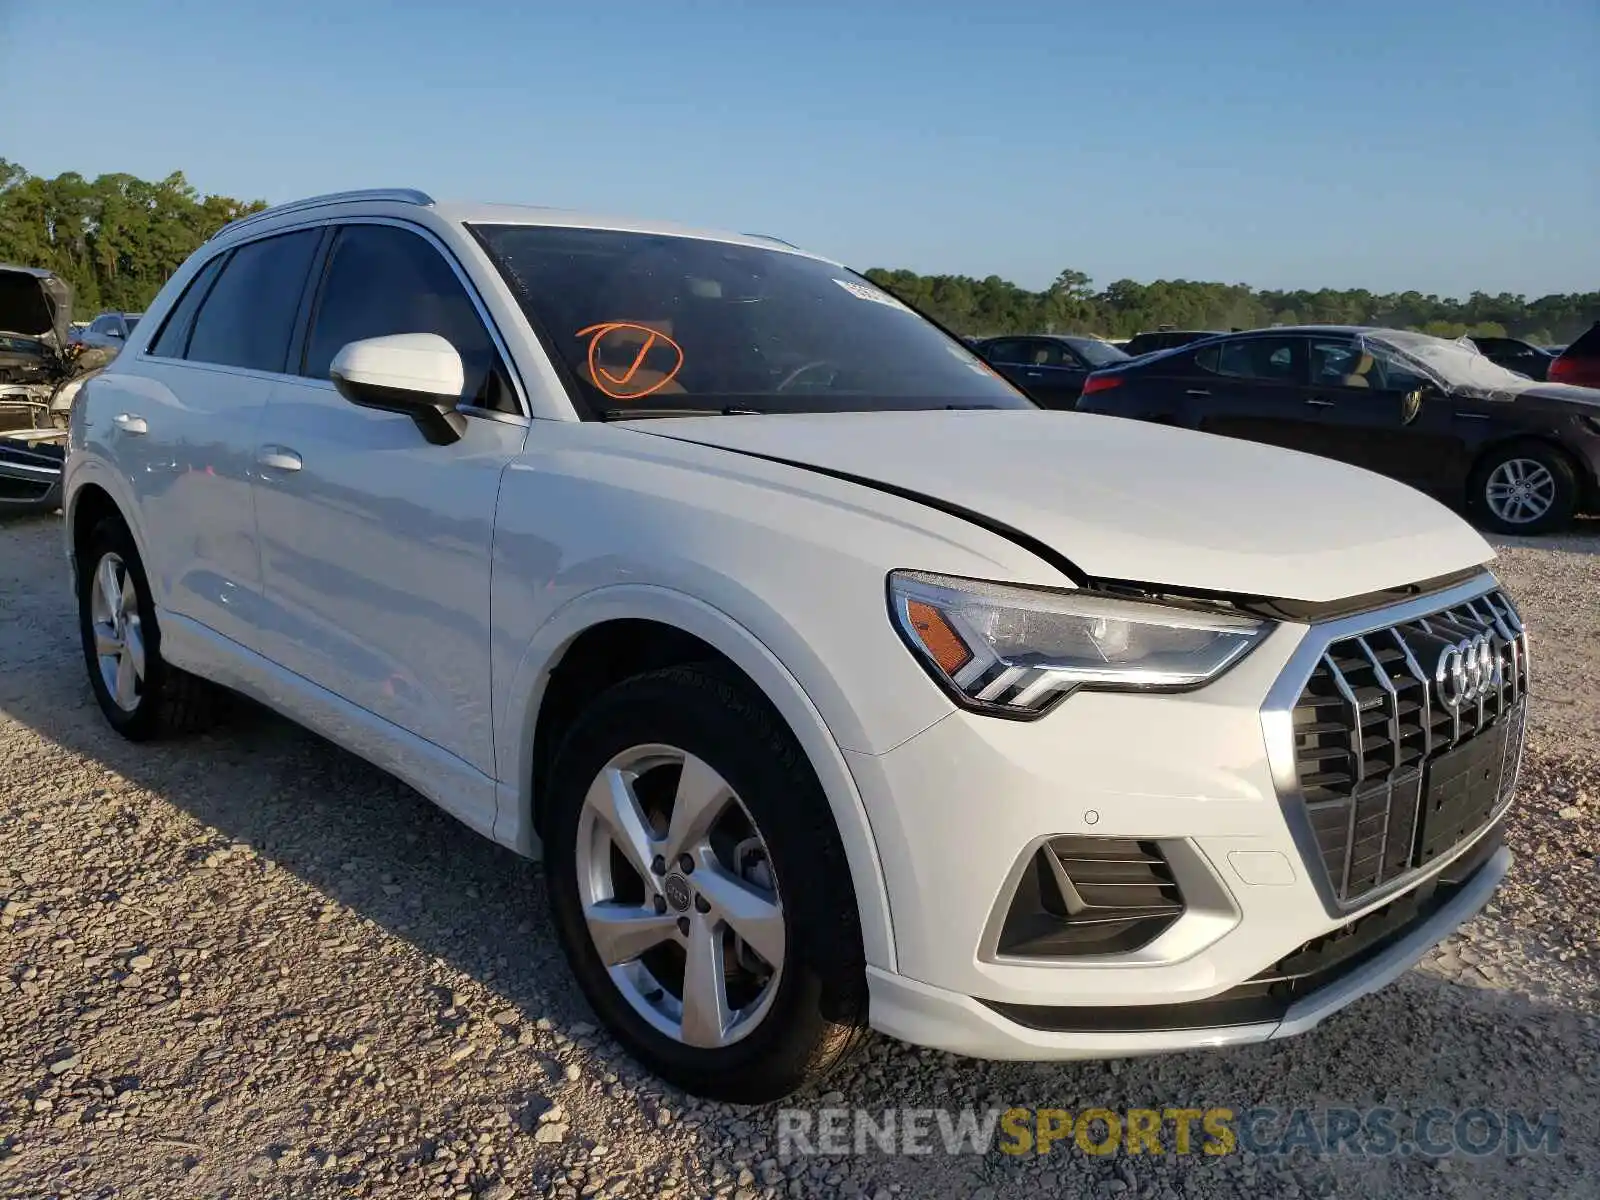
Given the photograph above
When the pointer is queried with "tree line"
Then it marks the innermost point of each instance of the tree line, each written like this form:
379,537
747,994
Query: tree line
1073,305
117,238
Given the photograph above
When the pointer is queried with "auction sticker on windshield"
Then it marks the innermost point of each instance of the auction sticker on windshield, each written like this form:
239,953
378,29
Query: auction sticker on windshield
862,291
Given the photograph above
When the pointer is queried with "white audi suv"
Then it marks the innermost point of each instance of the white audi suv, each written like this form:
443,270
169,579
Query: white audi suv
837,685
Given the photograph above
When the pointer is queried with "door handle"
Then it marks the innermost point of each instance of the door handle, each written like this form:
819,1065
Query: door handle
1034,374
129,423
278,458
1198,392
1466,416
1315,403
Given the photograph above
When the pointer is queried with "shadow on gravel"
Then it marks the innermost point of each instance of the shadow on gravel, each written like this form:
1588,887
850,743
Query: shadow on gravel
1583,537
372,845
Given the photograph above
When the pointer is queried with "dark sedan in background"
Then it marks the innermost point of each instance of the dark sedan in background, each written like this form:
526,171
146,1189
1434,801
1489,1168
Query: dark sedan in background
1436,414
1514,354
1165,338
1050,368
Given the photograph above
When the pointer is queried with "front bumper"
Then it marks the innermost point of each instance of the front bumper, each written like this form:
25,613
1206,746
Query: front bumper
31,463
959,810
929,1016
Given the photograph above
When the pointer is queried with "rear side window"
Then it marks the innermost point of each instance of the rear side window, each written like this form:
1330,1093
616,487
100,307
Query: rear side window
174,335
1272,360
247,319
382,280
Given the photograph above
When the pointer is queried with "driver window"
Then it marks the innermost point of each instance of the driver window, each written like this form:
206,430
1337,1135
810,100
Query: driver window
382,279
1362,366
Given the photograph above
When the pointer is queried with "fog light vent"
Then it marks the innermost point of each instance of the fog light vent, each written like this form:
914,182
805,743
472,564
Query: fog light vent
1091,895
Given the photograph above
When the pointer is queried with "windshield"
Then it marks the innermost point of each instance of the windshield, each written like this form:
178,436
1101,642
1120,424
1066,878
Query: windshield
1097,353
649,322
1458,364
132,320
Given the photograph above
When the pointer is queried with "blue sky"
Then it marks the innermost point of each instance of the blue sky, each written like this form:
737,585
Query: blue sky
1446,147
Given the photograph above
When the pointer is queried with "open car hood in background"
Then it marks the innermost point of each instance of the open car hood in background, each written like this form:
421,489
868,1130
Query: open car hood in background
34,303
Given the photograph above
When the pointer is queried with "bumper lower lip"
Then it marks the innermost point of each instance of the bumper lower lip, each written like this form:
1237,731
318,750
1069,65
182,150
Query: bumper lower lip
928,1016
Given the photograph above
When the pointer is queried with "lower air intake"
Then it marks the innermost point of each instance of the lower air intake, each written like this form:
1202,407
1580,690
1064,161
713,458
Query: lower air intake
1090,895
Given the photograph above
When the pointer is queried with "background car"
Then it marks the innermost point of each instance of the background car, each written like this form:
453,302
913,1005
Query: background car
1579,363
1432,413
1514,354
109,329
1050,368
41,371
1164,339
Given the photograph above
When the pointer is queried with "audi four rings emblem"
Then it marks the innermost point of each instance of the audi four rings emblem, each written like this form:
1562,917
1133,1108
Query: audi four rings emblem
1466,671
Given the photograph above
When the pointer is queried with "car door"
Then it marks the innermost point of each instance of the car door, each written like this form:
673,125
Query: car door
1376,411
1008,356
185,424
376,543
1047,370
1252,387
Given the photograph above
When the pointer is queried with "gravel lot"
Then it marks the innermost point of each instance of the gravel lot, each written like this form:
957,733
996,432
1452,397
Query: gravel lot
251,965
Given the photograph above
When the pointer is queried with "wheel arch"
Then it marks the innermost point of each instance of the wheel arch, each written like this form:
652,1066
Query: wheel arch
89,503
595,638
1588,481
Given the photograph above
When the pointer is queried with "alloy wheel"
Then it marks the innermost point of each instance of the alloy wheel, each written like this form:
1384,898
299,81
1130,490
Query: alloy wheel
679,896
1520,491
118,632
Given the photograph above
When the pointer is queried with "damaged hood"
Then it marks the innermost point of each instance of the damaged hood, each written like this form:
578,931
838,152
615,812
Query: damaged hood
35,303
1126,500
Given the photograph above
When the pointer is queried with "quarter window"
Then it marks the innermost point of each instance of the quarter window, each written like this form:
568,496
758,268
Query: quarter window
383,280
174,335
248,317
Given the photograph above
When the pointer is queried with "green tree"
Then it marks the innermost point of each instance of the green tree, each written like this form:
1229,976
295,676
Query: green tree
116,239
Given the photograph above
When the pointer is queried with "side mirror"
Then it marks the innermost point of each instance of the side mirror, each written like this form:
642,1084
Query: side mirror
417,375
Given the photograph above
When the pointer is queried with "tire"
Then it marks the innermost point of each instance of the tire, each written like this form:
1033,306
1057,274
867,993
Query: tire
162,700
1524,488
810,1013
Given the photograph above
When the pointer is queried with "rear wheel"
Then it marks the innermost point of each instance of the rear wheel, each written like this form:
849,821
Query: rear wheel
700,890
141,696
1526,488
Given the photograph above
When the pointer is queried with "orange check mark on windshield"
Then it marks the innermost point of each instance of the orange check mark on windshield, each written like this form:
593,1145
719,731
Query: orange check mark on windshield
624,386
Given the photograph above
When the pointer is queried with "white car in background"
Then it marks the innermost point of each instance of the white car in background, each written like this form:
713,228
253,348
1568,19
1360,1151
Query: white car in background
837,685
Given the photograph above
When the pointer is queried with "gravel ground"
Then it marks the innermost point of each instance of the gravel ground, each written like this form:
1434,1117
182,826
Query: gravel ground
250,965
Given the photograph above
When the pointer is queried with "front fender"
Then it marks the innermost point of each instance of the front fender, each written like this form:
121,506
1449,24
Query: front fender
516,721
84,469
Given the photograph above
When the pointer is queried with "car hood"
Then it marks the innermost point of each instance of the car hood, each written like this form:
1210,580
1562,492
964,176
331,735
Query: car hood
35,303
1124,500
1562,394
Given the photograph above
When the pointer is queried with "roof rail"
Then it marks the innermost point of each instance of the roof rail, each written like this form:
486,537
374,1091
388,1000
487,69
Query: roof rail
396,195
767,237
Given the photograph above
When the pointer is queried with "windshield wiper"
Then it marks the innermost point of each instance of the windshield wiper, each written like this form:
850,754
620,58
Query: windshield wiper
628,414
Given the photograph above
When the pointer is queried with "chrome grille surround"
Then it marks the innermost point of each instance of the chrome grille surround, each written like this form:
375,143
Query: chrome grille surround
1357,717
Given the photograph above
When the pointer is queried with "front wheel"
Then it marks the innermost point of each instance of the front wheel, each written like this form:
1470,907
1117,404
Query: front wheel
1525,489
700,890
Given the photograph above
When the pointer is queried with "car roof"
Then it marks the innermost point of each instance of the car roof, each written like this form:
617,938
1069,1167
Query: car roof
393,201
472,213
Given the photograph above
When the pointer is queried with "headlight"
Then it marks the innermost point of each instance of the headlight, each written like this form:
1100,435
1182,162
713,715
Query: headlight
1016,651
